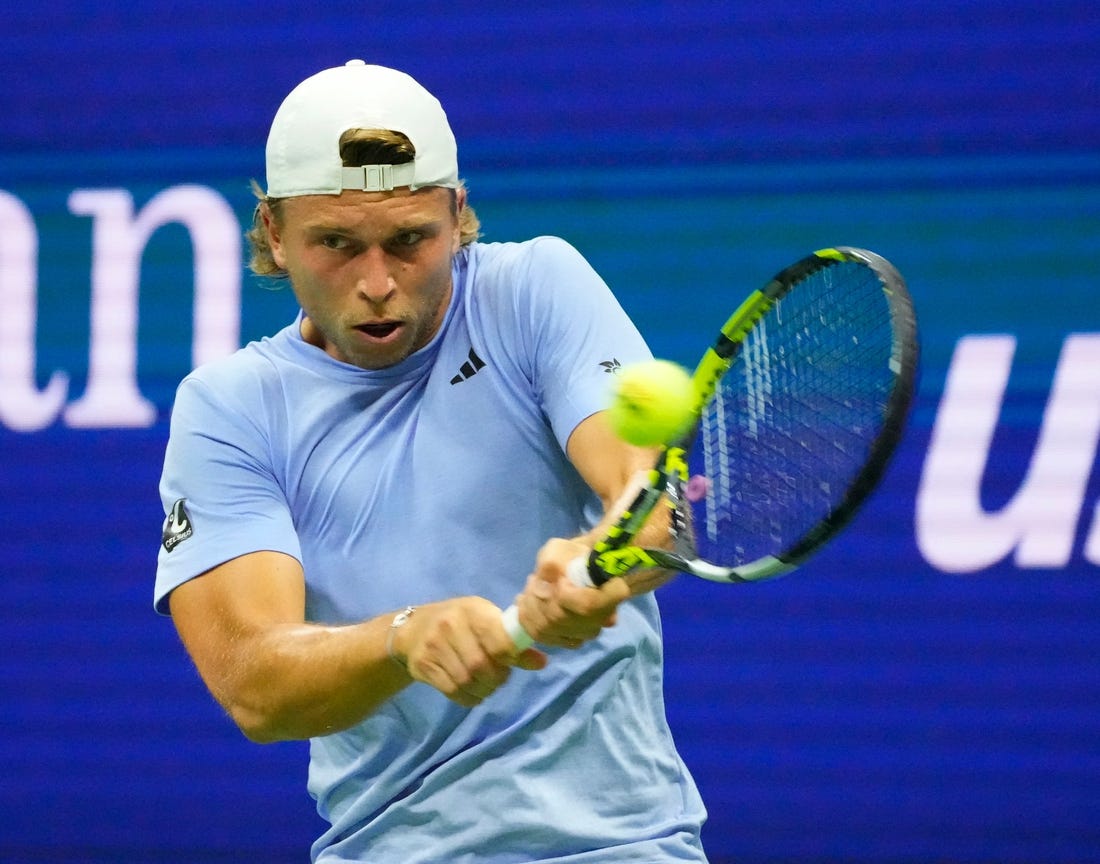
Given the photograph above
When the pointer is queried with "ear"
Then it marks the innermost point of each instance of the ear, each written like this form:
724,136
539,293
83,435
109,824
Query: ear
460,205
274,235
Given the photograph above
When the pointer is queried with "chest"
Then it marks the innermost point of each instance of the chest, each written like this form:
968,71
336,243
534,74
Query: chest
430,486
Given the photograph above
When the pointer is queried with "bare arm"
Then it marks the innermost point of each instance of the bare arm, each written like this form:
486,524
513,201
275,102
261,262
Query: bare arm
282,678
552,609
611,467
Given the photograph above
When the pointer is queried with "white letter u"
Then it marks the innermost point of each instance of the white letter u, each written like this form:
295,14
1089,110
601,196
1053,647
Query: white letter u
954,532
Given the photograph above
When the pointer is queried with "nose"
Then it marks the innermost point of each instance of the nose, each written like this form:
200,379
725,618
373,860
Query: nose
375,282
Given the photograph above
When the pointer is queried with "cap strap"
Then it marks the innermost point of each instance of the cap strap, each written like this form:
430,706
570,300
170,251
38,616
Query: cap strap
378,178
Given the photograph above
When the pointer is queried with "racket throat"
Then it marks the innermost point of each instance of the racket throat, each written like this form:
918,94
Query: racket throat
767,567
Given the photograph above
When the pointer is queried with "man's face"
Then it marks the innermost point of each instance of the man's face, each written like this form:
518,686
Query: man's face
371,270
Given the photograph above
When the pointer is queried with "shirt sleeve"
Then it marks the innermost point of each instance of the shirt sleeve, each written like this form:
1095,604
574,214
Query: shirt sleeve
218,489
579,335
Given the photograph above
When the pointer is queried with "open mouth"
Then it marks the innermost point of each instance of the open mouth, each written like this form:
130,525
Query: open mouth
379,330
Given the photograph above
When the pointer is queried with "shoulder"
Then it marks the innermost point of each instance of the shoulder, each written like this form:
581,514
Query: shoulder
249,364
524,258
239,381
538,272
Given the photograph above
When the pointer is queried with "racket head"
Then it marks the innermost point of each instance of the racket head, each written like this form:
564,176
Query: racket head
800,402
803,419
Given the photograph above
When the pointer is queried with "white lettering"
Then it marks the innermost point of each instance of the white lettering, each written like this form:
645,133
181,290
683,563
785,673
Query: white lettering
1092,544
954,532
112,397
22,406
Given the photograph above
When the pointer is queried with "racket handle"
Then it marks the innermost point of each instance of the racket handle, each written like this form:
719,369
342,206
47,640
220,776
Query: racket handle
520,637
577,571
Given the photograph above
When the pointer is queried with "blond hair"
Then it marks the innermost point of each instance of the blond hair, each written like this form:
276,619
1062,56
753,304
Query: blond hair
357,147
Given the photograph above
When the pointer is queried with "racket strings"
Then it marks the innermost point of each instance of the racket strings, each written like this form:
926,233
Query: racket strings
792,422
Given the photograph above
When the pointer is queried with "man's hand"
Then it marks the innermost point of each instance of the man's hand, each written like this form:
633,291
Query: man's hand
557,612
460,648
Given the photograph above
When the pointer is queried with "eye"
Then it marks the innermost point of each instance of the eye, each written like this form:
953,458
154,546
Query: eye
334,241
408,238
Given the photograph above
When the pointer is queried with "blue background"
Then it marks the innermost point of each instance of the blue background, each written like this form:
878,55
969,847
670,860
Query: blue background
871,708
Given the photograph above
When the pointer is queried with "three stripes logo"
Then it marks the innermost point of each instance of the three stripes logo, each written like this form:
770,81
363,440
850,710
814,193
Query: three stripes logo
469,369
475,364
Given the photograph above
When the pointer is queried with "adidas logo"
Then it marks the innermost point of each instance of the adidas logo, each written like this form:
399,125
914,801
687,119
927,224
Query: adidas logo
612,366
469,369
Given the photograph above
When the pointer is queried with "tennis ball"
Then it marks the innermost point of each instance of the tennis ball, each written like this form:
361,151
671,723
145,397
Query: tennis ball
651,403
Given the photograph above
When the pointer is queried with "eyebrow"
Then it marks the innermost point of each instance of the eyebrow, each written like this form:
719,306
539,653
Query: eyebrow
325,226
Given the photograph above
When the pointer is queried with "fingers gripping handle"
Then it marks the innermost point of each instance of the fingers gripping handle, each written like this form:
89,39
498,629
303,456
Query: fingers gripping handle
577,571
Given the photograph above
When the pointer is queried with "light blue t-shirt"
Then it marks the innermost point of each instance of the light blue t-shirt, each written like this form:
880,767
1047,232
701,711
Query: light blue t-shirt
438,477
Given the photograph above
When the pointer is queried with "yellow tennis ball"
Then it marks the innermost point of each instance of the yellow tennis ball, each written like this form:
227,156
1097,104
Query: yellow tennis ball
651,403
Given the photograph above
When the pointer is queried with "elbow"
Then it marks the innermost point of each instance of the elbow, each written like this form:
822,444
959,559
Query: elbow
259,726
260,733
272,724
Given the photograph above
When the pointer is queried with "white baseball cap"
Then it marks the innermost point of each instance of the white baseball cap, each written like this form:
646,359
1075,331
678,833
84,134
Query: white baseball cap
303,146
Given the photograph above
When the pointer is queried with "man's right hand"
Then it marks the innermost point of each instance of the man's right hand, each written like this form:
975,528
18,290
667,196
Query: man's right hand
460,648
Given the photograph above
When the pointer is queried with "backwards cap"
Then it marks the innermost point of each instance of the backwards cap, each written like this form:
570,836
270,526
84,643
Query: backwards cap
303,146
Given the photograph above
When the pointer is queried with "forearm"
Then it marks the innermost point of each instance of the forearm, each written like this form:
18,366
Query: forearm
285,680
654,533
294,681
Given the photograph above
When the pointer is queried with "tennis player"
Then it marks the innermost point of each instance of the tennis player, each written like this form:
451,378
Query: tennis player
352,501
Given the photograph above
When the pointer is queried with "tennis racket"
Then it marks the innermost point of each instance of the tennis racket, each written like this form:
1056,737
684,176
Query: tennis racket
800,402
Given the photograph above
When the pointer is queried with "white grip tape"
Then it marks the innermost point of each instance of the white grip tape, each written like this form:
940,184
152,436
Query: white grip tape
577,571
520,637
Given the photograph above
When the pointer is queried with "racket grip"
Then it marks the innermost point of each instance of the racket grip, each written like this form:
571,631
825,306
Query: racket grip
577,572
520,637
